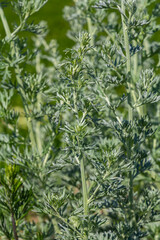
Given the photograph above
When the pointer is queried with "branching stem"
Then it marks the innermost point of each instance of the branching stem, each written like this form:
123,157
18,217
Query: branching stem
5,24
84,187
83,179
130,112
97,188
38,124
66,222
14,226
82,169
128,62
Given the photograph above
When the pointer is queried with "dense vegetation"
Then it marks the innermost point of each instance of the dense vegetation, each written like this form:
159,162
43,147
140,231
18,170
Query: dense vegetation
81,158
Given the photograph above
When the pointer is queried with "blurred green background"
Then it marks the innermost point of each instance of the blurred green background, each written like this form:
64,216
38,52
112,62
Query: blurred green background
52,13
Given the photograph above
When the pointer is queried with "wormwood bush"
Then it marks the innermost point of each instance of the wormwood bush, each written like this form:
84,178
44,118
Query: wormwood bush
79,156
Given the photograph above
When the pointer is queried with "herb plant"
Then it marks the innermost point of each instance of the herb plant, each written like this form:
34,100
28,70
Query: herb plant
79,134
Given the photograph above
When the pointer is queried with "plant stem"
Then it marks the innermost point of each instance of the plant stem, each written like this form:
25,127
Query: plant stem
38,128
84,185
90,30
114,68
82,170
47,156
140,109
5,24
128,57
135,59
126,38
84,188
109,104
38,124
97,188
19,80
14,226
65,221
130,113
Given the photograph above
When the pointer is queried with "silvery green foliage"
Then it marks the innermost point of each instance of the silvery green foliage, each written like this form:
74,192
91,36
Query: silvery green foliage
74,162
25,8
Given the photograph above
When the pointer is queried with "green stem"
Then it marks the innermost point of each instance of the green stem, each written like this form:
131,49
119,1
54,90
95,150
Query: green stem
90,30
83,179
126,38
110,36
38,128
17,71
155,143
96,190
47,156
130,113
39,99
109,104
82,170
135,66
84,187
128,57
5,24
114,68
66,222
14,227
112,39
140,109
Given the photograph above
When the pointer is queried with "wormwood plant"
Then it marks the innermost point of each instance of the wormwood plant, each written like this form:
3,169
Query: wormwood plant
79,156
